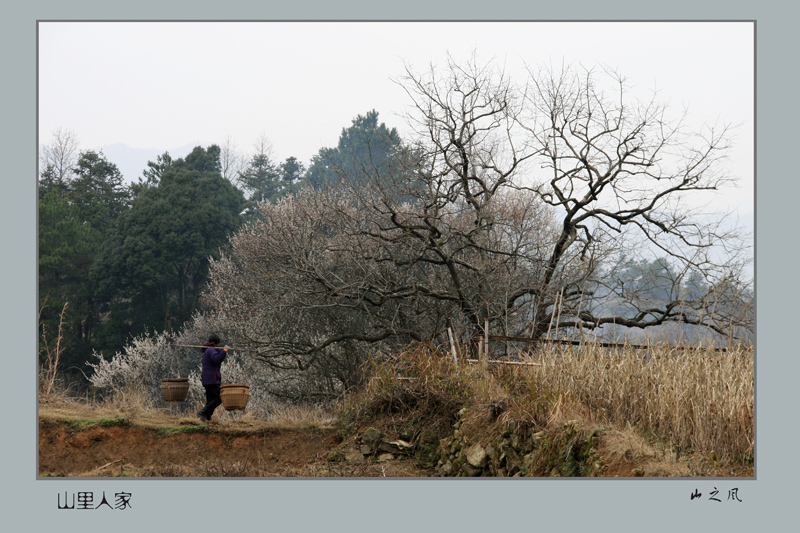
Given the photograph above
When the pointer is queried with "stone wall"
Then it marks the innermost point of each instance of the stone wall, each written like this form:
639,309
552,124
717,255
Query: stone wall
568,450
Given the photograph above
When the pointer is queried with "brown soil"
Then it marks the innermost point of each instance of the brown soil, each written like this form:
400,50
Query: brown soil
76,441
71,446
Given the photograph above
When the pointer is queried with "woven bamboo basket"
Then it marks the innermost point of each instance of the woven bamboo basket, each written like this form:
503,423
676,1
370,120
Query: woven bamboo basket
234,396
175,389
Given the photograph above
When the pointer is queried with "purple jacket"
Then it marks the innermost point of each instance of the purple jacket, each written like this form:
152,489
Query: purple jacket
212,361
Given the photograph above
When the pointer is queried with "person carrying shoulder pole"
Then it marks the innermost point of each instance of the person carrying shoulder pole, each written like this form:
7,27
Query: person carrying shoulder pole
211,376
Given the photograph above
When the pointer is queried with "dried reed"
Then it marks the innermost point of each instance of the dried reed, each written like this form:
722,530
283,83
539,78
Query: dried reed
52,354
697,399
701,399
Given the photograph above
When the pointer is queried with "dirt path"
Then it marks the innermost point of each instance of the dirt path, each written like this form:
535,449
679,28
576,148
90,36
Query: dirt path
118,447
81,441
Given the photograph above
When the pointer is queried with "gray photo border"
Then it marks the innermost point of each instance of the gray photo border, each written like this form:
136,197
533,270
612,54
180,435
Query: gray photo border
397,505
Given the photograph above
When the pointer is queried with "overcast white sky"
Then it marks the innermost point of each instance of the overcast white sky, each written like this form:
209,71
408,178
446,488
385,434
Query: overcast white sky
162,86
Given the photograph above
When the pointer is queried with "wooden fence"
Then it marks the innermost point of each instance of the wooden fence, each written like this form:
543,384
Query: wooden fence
583,342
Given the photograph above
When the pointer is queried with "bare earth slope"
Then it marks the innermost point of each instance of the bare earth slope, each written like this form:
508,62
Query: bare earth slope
77,440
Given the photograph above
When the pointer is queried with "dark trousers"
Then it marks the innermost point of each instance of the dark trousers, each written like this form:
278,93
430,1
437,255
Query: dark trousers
212,400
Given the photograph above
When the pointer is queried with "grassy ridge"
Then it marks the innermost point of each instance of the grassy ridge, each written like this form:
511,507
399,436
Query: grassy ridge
574,410
699,401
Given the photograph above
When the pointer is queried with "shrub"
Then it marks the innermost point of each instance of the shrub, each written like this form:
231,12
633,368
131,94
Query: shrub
133,376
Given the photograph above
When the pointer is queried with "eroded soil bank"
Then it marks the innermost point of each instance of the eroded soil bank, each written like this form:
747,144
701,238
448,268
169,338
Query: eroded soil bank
94,444
115,447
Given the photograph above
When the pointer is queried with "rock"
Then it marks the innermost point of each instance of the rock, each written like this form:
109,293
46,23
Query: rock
354,457
528,462
385,457
366,449
371,437
468,471
504,446
429,437
407,435
447,468
476,456
491,452
396,447
427,449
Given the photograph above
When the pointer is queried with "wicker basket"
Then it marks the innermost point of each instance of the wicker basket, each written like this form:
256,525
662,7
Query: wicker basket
175,390
234,396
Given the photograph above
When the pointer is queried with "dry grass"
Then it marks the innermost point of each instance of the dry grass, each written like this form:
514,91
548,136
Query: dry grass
700,399
142,411
694,399
418,387
301,416
255,468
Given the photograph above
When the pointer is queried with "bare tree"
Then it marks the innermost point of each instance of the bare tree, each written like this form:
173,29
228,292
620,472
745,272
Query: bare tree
615,174
231,161
530,208
58,158
263,146
619,175
303,291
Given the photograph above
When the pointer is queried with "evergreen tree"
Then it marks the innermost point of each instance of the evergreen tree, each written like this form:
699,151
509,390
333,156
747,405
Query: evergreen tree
264,180
75,216
261,179
292,173
66,252
98,190
152,174
152,270
365,149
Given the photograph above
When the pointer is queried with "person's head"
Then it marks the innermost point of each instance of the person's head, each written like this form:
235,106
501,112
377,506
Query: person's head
213,339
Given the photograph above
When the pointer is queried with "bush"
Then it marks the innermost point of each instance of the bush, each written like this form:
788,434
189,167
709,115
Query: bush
133,376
